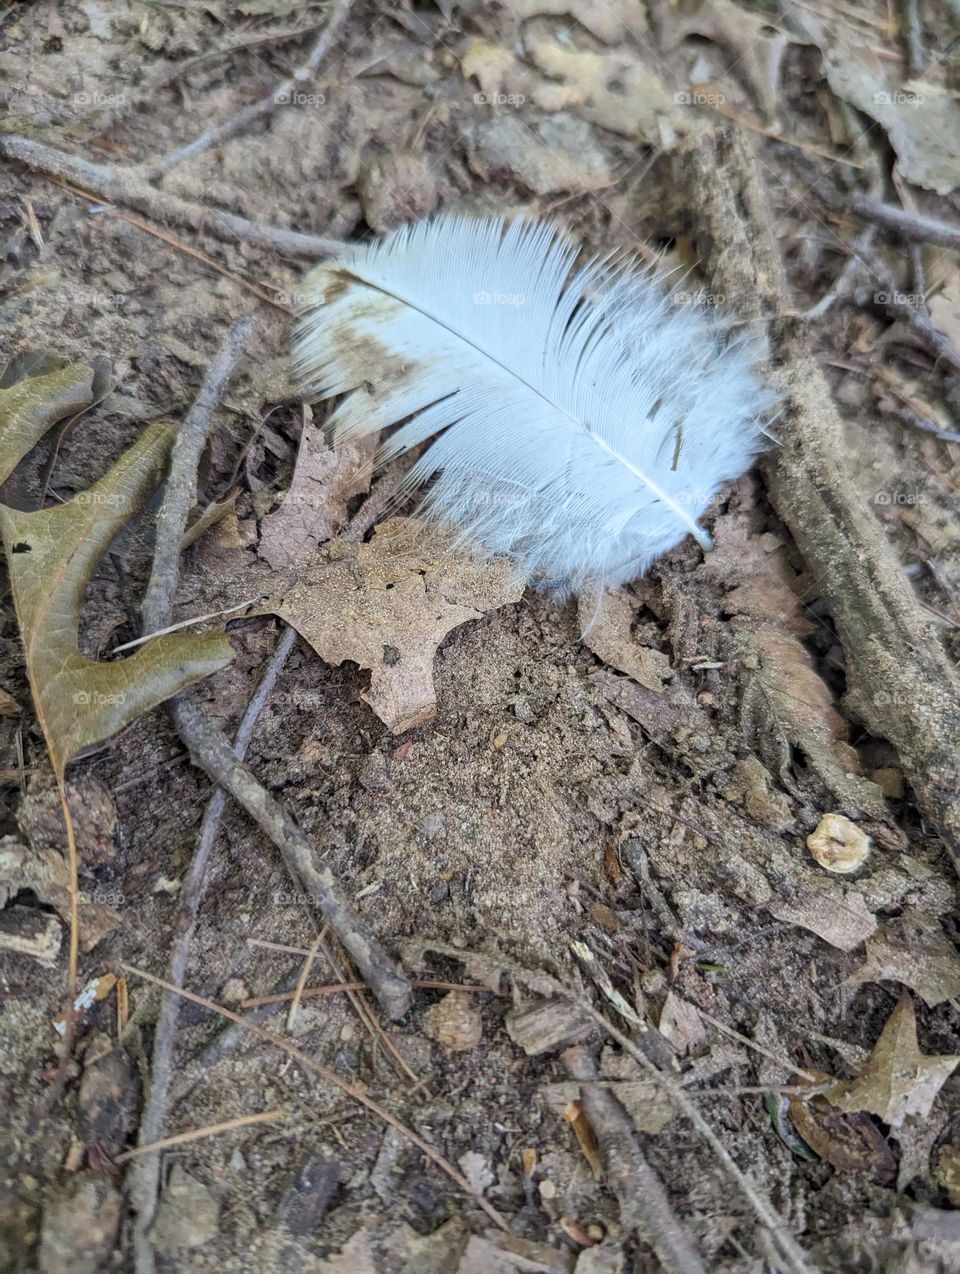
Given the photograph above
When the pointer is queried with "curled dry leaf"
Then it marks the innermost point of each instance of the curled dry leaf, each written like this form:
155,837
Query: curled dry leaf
784,700
455,1022
756,47
897,1080
388,604
315,506
848,1142
914,950
605,619
922,121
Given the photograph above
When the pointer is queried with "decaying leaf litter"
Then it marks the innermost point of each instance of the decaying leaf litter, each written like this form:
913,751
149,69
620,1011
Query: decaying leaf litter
647,792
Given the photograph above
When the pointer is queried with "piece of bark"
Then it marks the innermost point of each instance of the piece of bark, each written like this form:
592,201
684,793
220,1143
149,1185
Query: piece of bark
900,683
26,931
546,1025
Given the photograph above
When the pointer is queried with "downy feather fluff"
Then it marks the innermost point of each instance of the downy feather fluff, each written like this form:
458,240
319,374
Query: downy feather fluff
581,420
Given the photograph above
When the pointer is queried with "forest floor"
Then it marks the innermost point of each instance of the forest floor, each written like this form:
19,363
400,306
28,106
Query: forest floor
554,818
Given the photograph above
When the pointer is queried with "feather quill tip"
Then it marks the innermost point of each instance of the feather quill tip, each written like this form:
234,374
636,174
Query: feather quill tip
579,419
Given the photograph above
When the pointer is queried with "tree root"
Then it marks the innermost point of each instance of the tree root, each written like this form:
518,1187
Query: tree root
900,683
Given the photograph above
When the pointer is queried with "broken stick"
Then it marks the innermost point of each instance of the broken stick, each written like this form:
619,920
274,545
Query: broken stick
900,683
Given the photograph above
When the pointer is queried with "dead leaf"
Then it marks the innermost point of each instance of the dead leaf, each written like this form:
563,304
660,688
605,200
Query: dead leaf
784,702
916,1139
848,1142
897,1079
315,507
561,153
388,604
801,706
751,783
476,1168
914,950
756,572
498,71
755,44
51,554
46,873
455,1022
834,912
606,619
681,1024
922,121
610,21
613,90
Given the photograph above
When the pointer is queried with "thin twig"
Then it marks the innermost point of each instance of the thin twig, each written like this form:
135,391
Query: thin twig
847,276
126,188
209,1130
355,1091
913,38
304,974
144,1180
644,1205
892,298
794,1256
212,752
209,747
180,495
914,226
278,96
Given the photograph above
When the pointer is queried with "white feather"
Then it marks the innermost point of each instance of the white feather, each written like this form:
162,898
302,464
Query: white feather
581,420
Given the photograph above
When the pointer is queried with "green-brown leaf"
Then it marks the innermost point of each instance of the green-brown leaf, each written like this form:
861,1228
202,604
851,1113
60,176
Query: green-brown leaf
51,554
